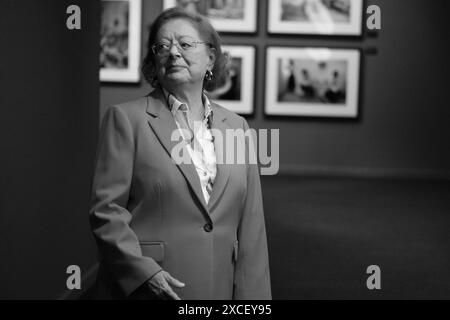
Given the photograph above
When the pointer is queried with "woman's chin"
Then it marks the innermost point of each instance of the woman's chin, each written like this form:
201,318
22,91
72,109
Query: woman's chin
176,77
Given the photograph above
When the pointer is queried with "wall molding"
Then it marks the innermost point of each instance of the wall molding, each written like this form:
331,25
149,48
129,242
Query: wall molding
362,172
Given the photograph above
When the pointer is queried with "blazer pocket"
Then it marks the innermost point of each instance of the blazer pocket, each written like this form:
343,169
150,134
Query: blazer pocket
235,250
153,249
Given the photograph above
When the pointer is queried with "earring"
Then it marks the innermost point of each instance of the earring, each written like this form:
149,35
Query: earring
209,75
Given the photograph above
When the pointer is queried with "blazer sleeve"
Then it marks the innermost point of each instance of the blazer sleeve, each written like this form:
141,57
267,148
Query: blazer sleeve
252,276
117,243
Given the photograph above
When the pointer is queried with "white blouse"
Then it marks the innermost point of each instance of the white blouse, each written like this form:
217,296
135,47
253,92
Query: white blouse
201,150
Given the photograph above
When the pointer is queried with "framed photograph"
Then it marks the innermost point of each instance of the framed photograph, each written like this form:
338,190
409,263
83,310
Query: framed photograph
236,91
225,15
316,17
120,40
318,82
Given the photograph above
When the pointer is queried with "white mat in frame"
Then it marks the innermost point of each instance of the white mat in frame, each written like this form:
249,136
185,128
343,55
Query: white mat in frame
294,100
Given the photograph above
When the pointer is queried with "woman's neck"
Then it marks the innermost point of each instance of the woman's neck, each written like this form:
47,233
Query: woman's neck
191,96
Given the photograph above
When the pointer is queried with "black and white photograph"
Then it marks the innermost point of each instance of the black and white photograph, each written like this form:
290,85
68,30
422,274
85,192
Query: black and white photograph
236,90
120,40
234,159
316,17
312,82
225,15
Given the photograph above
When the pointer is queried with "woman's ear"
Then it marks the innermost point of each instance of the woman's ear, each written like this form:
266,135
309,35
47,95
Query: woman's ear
212,58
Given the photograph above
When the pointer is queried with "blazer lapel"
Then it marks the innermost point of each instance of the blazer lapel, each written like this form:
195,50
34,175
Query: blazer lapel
163,124
223,170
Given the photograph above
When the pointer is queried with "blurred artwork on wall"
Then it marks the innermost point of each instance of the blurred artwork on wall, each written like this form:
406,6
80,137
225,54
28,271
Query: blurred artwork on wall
120,38
235,92
312,82
316,17
225,15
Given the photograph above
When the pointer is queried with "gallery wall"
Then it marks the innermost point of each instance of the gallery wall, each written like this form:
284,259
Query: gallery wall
402,126
48,134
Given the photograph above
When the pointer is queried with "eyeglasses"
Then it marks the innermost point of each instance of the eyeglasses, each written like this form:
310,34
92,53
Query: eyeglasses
184,44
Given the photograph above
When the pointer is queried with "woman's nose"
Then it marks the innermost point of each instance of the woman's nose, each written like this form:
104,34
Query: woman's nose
173,51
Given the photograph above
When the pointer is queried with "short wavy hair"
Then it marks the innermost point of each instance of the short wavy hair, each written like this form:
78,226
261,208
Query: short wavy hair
207,33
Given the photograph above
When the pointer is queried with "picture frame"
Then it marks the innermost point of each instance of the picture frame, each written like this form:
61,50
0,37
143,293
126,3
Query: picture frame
120,40
237,92
316,17
225,16
312,82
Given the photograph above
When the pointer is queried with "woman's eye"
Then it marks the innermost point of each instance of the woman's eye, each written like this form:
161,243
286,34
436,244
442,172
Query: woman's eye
186,45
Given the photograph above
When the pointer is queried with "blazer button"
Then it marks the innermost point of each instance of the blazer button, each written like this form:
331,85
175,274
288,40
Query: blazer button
208,227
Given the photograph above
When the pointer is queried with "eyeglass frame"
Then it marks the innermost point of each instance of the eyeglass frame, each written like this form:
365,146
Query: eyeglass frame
195,42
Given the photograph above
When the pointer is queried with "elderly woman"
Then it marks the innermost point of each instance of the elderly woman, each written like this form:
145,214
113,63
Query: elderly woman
167,229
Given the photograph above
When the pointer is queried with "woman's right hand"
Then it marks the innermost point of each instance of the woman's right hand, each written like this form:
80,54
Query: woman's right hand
160,286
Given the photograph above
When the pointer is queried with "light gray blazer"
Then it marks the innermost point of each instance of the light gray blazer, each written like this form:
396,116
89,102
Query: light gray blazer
149,213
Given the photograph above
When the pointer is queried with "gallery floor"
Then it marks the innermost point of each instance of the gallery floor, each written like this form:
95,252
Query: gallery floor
323,233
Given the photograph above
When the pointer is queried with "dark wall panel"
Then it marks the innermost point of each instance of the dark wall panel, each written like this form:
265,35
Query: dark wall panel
49,104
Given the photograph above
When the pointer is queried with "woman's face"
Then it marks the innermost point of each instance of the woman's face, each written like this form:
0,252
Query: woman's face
178,66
